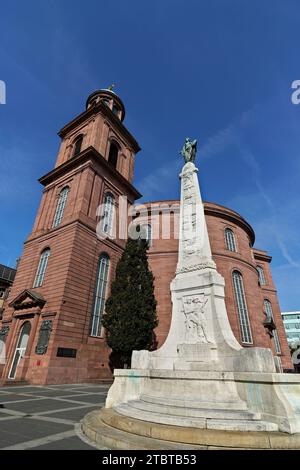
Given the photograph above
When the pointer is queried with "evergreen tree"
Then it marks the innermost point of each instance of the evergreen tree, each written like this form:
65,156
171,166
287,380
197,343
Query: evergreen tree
130,316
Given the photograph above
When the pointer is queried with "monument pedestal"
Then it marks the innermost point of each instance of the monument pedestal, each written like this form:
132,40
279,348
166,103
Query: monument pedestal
196,357
200,336
167,409
211,400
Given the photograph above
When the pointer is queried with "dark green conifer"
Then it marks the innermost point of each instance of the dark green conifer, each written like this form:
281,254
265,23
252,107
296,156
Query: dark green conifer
130,316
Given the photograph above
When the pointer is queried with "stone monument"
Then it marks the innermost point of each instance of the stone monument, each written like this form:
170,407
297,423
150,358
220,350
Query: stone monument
201,387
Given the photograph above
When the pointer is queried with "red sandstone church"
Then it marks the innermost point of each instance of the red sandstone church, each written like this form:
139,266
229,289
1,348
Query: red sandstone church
51,323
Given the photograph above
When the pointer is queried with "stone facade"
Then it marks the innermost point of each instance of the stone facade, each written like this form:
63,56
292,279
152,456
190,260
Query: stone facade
86,166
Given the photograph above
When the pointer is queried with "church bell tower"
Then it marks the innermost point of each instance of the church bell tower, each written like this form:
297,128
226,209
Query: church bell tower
51,324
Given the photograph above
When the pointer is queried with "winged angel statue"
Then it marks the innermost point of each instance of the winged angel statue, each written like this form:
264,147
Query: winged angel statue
189,150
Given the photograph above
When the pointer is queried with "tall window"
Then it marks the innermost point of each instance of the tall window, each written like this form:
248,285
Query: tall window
242,307
100,290
62,199
77,146
261,276
113,154
40,274
230,240
269,312
108,216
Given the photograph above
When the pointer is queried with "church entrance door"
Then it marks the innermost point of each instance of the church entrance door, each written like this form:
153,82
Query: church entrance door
20,349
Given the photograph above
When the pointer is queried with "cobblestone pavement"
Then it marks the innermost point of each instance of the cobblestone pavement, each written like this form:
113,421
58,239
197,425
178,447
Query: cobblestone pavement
47,417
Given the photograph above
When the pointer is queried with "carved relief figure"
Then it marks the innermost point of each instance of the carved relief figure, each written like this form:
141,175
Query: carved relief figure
196,330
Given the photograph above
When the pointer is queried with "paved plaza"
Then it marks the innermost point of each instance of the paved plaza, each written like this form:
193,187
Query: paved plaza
47,417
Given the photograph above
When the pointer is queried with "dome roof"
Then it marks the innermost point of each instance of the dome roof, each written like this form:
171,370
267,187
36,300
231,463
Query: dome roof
110,98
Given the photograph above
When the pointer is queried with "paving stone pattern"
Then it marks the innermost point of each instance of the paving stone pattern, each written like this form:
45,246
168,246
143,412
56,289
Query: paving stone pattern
47,417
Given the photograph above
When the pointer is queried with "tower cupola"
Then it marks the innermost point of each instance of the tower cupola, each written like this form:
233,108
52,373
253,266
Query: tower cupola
110,99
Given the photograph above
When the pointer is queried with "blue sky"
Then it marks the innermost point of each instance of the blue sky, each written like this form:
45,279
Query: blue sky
216,70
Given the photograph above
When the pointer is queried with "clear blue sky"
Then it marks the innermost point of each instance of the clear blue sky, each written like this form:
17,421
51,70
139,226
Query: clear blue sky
216,70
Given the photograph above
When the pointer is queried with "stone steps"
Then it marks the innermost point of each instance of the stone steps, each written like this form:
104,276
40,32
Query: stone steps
127,410
112,430
108,437
199,423
241,425
194,412
196,404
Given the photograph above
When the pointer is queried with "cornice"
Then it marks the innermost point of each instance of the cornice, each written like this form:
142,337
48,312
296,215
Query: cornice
261,256
269,289
88,154
52,232
35,300
234,258
210,208
228,214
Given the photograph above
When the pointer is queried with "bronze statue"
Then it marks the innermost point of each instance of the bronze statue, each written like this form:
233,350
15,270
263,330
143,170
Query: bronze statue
189,150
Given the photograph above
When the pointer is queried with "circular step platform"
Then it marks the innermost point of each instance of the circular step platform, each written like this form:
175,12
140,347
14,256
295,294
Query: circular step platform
112,430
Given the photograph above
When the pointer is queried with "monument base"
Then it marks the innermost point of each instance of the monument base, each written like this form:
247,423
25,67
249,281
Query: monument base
111,430
242,401
149,410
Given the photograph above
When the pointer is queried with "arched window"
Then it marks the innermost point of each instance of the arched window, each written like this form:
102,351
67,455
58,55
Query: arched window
108,216
40,274
242,307
77,146
99,296
269,313
113,154
62,199
230,240
261,276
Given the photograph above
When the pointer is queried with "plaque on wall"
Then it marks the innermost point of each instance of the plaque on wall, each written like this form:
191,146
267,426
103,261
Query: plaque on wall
45,330
66,352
